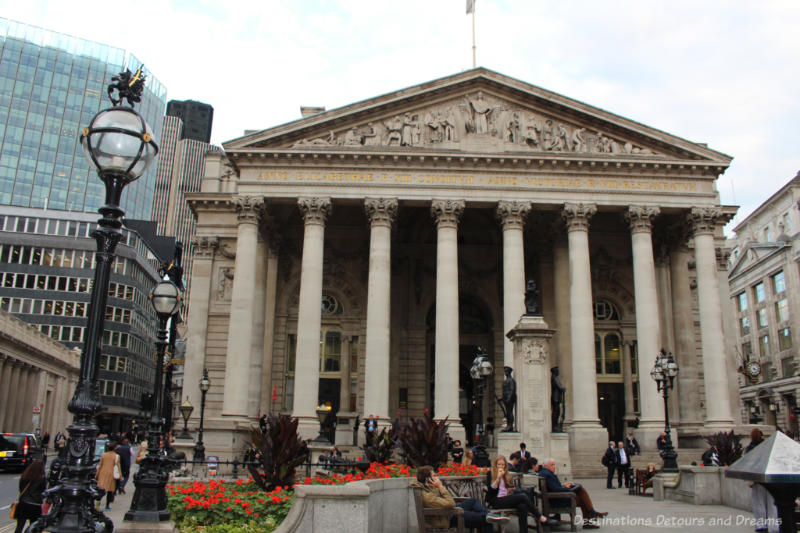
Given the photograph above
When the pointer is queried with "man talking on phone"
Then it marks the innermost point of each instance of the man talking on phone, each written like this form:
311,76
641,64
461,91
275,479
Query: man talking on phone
435,495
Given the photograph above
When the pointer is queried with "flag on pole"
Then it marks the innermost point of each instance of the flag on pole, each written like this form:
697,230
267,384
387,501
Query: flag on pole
470,6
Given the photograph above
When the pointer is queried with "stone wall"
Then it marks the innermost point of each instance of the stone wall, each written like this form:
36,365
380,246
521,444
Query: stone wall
702,485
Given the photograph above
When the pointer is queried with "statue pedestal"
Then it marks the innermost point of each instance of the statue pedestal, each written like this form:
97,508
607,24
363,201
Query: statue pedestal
344,428
559,451
531,339
508,442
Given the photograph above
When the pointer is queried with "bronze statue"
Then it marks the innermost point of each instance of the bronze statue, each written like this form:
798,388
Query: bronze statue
557,396
508,403
128,86
532,307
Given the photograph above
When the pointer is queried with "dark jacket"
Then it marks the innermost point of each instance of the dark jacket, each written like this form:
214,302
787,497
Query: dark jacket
491,492
632,447
124,452
618,458
35,493
610,458
753,444
553,484
458,454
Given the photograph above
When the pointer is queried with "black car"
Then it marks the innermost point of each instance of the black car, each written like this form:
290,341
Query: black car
18,450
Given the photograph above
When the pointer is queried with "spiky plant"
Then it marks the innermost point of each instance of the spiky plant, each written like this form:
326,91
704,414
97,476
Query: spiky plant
729,448
422,441
382,447
277,447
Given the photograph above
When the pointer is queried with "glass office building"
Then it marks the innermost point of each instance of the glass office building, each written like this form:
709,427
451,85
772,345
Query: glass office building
51,85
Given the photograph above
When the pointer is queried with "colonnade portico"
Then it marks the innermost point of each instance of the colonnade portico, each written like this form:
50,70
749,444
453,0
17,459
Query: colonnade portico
439,265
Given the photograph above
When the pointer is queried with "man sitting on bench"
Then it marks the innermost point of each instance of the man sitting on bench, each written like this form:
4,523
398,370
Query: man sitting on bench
548,472
435,495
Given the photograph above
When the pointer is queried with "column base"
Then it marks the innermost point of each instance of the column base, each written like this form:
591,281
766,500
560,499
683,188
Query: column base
307,427
586,441
559,451
508,442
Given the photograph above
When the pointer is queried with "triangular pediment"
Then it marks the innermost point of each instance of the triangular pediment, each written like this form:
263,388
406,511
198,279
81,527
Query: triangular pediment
753,253
476,111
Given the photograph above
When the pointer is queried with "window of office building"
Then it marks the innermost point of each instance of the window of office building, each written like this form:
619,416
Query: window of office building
784,339
778,283
744,325
782,310
763,342
760,292
761,314
741,300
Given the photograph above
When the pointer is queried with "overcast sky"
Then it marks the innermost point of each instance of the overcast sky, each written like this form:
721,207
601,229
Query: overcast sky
723,72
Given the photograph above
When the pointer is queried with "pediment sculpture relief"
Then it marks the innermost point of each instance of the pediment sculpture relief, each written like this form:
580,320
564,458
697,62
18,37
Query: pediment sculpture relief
474,118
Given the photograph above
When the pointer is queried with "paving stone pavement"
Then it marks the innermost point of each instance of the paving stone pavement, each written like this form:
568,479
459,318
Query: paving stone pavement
635,514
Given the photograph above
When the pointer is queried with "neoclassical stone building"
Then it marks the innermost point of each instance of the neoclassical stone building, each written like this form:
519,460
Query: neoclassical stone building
359,256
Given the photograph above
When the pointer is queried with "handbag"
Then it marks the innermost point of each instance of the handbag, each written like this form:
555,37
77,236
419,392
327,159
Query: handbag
13,513
116,472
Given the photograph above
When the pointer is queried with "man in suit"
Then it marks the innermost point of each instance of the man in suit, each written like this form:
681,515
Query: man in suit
548,472
623,465
523,453
610,462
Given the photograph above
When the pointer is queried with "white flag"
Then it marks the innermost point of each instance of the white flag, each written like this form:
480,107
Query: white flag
470,6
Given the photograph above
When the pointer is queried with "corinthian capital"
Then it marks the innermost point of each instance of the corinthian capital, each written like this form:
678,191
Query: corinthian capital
577,216
315,209
447,213
641,218
204,247
381,211
704,220
512,214
249,209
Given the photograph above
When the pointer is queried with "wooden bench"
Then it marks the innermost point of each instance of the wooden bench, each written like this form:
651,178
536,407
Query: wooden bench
641,483
424,512
463,488
553,504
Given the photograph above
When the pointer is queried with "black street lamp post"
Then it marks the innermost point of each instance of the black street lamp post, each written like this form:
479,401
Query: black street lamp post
664,372
480,371
199,448
119,145
150,499
186,411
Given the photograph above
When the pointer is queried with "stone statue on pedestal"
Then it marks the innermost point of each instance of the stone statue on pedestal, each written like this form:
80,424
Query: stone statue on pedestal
508,403
557,396
532,307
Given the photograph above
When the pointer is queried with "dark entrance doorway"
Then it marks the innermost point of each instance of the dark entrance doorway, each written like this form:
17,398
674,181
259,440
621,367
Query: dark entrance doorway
329,393
611,407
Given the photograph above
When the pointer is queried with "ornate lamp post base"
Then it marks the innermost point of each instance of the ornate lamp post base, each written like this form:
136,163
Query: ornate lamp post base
150,499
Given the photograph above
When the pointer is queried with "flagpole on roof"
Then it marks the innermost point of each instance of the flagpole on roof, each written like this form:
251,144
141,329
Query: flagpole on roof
471,9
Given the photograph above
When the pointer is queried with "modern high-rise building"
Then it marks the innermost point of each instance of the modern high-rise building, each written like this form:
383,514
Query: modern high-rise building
46,270
197,118
51,85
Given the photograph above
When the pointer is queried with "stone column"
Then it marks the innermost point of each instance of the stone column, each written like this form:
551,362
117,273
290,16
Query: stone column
381,212
512,216
648,330
259,295
22,409
627,379
197,321
715,377
447,214
5,389
344,390
240,330
309,315
685,349
561,339
270,300
584,378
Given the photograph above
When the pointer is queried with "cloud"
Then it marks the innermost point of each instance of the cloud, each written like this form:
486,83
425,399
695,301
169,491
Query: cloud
715,71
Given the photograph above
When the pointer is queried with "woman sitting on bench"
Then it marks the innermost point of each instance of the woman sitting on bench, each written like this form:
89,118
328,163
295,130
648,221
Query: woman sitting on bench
501,495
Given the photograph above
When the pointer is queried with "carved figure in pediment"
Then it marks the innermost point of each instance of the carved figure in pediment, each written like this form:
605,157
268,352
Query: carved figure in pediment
410,131
353,137
533,131
578,141
434,123
513,133
550,138
394,128
481,110
370,136
448,124
562,135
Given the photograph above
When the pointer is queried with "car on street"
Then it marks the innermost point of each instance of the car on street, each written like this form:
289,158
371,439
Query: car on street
18,450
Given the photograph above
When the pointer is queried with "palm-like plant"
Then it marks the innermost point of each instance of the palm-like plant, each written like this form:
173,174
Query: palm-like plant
422,441
729,448
382,446
277,448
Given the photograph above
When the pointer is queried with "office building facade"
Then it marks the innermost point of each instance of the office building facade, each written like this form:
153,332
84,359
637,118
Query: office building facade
51,85
765,295
46,275
197,118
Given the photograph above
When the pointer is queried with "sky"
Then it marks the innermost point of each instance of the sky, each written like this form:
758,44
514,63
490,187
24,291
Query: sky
722,72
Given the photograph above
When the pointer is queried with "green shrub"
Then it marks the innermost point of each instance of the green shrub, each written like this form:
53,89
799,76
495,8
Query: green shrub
277,452
422,441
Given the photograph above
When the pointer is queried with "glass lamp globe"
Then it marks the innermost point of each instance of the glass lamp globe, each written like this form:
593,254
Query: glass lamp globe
656,373
205,383
474,372
120,142
486,367
165,297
